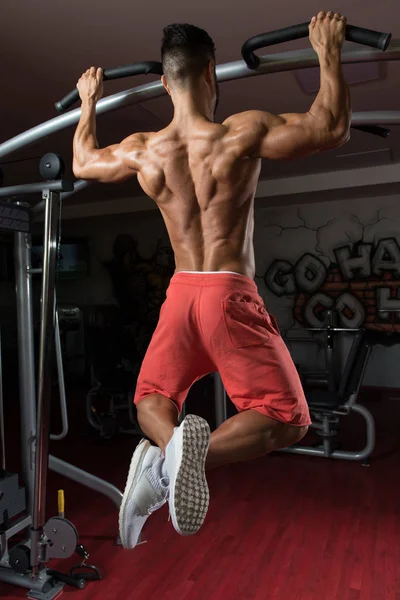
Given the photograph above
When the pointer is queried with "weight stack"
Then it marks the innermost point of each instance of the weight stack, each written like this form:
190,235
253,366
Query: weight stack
12,496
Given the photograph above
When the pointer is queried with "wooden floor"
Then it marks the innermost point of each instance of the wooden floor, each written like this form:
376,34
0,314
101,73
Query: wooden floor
279,528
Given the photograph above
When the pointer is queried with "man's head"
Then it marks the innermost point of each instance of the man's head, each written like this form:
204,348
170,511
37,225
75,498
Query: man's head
188,58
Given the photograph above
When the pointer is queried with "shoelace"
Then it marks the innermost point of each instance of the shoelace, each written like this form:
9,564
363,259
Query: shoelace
164,481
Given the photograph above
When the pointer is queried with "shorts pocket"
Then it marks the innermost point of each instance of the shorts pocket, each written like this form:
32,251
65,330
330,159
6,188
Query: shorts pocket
246,323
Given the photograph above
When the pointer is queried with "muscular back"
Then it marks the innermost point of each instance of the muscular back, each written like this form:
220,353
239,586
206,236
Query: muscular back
203,175
205,192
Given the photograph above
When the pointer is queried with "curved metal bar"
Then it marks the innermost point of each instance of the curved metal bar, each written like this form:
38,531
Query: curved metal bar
359,35
378,117
287,61
108,104
87,479
361,455
305,59
78,186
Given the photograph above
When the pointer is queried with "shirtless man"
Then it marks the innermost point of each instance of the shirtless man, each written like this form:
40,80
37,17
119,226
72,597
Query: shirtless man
203,177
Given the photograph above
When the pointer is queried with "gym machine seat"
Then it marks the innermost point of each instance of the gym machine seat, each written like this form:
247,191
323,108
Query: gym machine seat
327,407
350,382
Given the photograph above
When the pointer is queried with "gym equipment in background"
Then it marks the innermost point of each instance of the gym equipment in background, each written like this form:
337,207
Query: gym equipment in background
329,400
328,405
23,509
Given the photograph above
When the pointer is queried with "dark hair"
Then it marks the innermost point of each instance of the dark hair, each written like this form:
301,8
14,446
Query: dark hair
186,51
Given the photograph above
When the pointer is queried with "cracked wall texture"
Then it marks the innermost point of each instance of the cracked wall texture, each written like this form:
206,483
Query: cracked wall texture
287,233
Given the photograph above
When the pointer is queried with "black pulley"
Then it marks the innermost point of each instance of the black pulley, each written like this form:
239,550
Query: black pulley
19,558
51,166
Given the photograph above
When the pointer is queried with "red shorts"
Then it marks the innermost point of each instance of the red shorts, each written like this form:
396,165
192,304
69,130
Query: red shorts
218,322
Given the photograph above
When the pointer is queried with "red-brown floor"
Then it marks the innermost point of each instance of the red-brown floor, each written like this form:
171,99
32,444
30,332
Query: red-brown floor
279,528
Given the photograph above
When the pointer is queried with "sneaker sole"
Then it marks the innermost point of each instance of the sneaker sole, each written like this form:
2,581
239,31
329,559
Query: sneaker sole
189,496
134,472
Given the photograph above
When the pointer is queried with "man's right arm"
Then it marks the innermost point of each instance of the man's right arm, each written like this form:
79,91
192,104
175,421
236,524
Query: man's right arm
326,125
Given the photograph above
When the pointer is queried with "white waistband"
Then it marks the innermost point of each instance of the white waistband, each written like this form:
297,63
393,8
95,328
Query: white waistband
209,272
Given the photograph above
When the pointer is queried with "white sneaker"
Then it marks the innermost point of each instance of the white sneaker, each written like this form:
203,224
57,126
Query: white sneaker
145,492
185,459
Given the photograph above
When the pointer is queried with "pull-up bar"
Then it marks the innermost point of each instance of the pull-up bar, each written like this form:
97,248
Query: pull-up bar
288,61
359,35
366,37
143,68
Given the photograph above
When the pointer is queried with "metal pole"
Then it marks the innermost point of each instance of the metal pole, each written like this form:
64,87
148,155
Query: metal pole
221,413
61,381
26,362
44,374
329,350
272,63
78,186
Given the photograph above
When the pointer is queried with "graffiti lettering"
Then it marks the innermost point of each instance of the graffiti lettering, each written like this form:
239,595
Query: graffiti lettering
358,265
363,286
317,301
386,258
279,278
385,303
310,273
350,310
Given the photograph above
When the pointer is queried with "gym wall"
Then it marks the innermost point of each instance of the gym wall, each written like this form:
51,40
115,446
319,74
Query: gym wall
345,250
346,253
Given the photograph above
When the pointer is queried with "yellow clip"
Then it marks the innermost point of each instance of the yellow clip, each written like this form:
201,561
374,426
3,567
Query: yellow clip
61,502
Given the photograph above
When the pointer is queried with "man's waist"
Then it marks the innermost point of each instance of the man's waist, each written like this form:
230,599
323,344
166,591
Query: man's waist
206,278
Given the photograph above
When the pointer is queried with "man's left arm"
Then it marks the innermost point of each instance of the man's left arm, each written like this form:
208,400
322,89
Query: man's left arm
112,164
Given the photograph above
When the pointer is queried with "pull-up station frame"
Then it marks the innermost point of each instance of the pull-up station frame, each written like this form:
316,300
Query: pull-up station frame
274,63
35,407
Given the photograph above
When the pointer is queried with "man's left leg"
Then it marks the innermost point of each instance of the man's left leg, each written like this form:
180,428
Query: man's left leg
158,418
249,435
173,362
245,436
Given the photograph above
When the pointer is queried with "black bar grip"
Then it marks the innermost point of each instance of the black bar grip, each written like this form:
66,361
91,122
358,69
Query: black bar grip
382,132
75,582
367,37
143,68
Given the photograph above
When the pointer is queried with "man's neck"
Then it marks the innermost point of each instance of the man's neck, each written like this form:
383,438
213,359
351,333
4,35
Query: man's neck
192,107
